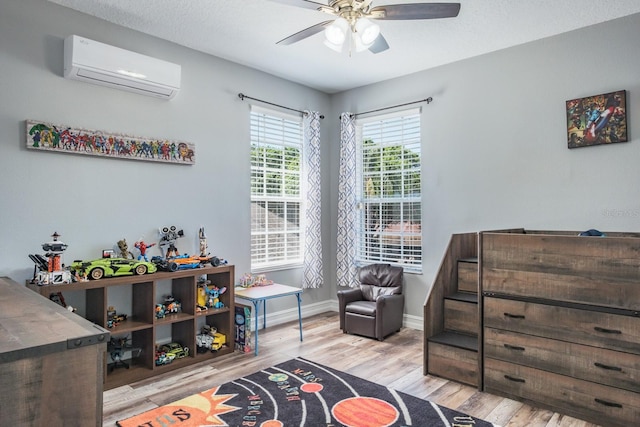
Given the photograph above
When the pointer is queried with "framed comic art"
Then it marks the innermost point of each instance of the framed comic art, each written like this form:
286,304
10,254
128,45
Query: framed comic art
60,138
597,119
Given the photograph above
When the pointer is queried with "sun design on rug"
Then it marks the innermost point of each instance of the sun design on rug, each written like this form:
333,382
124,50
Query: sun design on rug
207,406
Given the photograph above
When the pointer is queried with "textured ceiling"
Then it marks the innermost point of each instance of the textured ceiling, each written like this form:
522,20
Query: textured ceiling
246,32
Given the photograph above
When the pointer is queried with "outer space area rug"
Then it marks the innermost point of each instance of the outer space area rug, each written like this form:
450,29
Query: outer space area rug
302,393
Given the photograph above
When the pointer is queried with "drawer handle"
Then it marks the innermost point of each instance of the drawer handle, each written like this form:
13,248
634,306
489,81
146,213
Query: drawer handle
513,347
514,316
607,331
607,403
514,379
607,367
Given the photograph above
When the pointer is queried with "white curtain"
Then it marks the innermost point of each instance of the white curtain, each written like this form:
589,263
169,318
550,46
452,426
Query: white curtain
347,219
312,269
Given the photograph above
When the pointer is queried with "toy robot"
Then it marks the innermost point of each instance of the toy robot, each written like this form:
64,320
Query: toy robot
168,238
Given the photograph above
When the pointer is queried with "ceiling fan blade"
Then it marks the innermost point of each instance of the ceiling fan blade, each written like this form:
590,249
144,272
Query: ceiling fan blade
379,45
307,32
306,4
416,11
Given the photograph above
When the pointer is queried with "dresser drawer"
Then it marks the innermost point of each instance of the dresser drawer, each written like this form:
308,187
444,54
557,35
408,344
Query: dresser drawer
599,365
596,403
605,330
597,271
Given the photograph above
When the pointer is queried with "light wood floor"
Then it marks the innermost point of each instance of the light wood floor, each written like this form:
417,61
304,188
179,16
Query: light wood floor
396,363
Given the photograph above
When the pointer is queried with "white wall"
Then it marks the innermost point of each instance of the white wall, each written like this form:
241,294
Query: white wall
495,151
494,140
93,202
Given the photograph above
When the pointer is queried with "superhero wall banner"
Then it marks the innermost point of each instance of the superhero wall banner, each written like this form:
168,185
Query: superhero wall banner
597,119
67,139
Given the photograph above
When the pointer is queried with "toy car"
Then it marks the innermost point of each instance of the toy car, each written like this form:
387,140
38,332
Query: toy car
110,267
176,350
162,358
181,262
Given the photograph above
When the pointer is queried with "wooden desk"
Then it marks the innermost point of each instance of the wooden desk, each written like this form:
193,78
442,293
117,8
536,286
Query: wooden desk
51,362
260,294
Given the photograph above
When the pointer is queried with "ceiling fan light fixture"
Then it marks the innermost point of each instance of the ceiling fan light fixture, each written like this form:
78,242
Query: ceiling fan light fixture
333,46
336,33
367,31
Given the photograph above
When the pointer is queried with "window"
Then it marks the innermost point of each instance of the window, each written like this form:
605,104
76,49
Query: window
389,190
276,197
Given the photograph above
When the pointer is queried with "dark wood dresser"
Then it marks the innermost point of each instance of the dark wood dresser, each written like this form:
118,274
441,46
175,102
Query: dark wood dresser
51,362
561,322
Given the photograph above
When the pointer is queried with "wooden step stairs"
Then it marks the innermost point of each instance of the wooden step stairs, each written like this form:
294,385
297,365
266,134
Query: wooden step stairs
451,315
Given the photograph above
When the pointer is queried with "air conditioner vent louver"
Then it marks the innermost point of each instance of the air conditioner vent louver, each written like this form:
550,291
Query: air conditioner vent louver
94,62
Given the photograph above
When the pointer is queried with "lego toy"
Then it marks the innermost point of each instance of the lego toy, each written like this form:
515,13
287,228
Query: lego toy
201,298
48,269
175,349
142,246
59,299
116,347
171,305
243,328
213,300
162,358
124,249
108,267
210,339
180,262
218,341
168,238
249,281
203,242
114,319
160,311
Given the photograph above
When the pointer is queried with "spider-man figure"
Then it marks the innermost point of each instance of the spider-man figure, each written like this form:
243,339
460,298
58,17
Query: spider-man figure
142,247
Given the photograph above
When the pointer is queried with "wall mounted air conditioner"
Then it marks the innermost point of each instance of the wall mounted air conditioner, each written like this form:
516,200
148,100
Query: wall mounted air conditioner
98,63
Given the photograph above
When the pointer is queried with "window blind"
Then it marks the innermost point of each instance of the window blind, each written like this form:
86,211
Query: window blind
276,196
389,190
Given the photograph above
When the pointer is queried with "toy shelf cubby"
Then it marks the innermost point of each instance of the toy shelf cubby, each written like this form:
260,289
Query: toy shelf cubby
142,329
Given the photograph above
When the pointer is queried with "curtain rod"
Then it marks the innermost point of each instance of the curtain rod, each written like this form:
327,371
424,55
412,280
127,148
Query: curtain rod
242,96
427,100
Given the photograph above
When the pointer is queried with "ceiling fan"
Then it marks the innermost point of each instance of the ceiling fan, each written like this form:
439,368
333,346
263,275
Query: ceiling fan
353,26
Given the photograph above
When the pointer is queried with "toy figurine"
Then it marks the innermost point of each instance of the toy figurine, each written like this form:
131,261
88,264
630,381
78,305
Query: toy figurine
214,296
160,311
168,238
203,242
171,305
201,300
124,249
142,247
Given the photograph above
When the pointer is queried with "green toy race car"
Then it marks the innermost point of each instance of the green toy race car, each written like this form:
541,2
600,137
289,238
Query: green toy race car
176,350
112,267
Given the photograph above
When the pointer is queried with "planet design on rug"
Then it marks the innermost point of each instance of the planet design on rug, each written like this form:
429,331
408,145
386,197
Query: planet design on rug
311,387
365,412
278,378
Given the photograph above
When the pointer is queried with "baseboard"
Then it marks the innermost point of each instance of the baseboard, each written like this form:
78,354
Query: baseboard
291,314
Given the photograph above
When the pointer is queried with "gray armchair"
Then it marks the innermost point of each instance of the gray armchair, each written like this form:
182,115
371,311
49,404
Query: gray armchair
375,309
